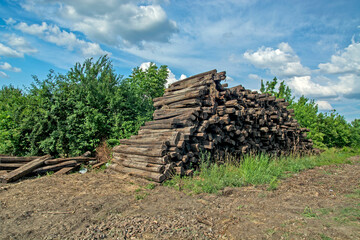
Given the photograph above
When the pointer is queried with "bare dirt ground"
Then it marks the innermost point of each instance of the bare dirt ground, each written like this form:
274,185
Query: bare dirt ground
321,203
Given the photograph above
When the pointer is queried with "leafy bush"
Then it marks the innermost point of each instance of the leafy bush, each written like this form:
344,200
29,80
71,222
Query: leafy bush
326,129
71,114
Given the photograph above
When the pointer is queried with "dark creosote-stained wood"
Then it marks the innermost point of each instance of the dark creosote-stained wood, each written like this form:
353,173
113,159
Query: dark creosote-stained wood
199,114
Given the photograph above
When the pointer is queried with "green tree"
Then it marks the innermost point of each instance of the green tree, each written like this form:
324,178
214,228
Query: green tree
283,91
326,129
12,103
140,88
355,133
72,113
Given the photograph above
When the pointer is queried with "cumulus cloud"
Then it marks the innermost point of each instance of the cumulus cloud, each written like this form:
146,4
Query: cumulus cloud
171,78
53,34
9,21
347,86
20,44
341,75
3,75
108,21
254,76
8,67
305,86
282,62
145,65
183,76
324,105
9,52
348,61
345,64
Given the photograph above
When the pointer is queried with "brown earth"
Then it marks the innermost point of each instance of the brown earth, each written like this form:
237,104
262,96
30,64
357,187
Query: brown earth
321,203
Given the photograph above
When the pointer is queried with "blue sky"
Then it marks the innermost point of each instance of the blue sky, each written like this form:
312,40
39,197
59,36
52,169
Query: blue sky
314,46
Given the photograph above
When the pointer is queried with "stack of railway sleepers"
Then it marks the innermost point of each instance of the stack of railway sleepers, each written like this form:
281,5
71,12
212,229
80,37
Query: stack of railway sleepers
200,114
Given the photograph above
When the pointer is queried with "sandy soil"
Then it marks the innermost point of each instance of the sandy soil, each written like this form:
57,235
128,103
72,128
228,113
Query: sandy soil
321,203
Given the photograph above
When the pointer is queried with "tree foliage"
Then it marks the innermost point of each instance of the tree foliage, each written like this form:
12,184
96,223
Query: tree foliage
328,129
72,113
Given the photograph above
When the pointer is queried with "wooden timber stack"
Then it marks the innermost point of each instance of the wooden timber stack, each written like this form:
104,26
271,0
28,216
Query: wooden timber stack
13,168
199,113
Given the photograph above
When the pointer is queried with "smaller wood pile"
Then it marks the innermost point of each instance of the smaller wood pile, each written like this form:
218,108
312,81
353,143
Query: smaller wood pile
12,168
199,113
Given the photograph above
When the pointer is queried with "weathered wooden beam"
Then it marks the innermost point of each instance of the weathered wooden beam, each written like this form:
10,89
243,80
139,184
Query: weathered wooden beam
25,169
145,141
203,89
175,120
194,102
66,170
10,166
156,151
55,167
13,159
181,82
140,158
144,166
60,160
157,177
190,95
185,130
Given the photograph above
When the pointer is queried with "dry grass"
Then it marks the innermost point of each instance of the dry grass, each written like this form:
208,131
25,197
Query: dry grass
103,152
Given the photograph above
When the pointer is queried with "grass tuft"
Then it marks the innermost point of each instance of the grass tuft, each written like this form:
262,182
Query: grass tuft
309,213
251,169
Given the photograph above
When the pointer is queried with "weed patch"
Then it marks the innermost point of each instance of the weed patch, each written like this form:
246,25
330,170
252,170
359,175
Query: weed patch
216,174
150,186
324,237
325,211
239,207
140,196
348,214
355,194
309,213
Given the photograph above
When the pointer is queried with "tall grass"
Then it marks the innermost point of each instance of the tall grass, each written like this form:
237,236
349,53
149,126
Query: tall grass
253,170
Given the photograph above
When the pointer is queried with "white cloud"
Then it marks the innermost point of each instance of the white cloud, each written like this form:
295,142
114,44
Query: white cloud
9,52
349,85
183,76
3,75
144,66
285,63
54,34
346,62
229,79
281,62
324,105
20,44
9,21
305,86
109,21
171,78
8,67
34,29
254,76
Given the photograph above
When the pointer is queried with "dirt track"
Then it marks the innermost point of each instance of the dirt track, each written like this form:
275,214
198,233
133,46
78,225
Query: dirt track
321,203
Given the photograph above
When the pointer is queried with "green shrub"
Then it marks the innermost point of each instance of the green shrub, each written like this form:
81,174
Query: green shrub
73,113
328,129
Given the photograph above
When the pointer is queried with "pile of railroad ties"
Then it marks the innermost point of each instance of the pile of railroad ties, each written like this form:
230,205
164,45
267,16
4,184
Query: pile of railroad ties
199,114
